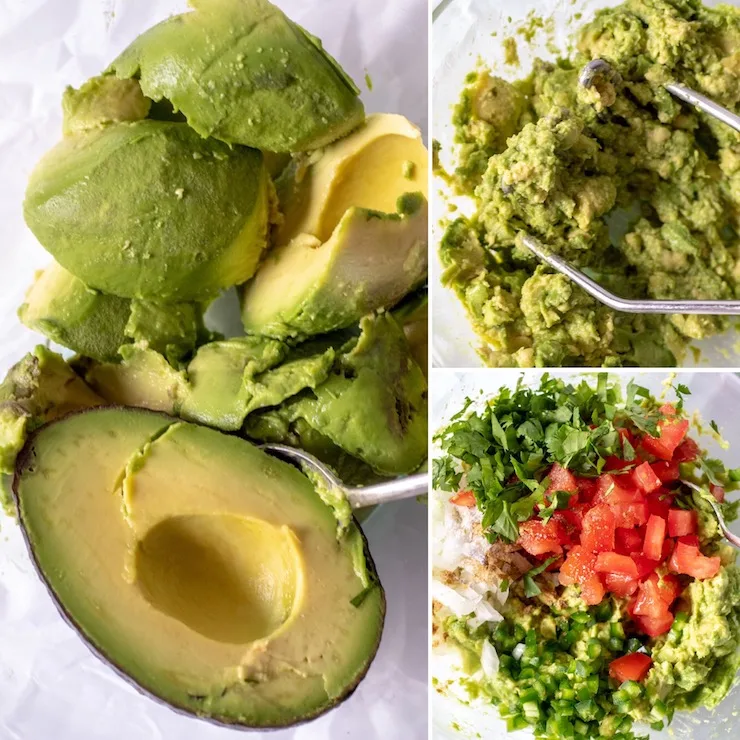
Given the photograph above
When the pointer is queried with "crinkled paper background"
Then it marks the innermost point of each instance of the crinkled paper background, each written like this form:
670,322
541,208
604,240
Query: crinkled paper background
51,687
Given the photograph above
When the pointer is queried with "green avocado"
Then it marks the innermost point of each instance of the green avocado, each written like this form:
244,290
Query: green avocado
103,100
151,210
242,72
39,388
224,382
96,324
371,261
373,405
209,573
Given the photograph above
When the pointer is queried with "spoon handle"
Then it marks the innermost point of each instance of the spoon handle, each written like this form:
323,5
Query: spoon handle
392,490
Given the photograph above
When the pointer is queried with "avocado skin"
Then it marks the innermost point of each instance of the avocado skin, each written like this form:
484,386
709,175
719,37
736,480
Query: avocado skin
193,707
242,72
151,210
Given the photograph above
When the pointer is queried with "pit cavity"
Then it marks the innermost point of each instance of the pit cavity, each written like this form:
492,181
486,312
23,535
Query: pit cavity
230,578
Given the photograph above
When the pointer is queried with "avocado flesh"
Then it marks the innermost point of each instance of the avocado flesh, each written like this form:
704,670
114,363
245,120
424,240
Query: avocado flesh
371,169
199,630
151,210
103,100
96,325
39,388
222,384
373,405
353,237
242,72
370,262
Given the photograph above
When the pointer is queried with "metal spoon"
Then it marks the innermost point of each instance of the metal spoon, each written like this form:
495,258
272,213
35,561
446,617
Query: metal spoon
597,67
729,536
627,305
359,497
586,78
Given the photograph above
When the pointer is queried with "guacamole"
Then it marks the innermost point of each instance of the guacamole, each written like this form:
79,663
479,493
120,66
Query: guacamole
637,189
595,591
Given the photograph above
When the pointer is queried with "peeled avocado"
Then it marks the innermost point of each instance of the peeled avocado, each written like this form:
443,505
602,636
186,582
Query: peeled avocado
207,571
353,236
96,324
373,405
242,72
39,388
151,210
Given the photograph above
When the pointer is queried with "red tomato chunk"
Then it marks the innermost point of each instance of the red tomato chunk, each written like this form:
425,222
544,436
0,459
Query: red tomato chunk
682,522
632,667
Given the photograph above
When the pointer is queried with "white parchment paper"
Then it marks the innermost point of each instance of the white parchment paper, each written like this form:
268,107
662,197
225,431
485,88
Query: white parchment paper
51,687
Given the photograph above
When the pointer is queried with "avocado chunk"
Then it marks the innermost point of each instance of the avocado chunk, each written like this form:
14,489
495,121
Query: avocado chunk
143,378
412,315
151,210
373,405
222,384
103,100
370,262
371,168
39,388
242,72
210,574
96,324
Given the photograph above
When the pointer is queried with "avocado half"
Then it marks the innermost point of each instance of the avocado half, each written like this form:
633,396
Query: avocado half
241,71
230,595
149,209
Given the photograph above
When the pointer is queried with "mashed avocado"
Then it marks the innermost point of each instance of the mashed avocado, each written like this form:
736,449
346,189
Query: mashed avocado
638,190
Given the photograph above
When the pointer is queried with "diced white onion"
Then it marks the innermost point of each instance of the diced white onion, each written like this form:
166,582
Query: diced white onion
460,601
489,659
518,651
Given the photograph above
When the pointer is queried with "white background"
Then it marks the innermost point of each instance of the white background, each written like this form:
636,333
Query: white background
51,688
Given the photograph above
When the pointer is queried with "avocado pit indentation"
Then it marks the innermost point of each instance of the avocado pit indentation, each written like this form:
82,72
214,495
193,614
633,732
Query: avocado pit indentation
232,579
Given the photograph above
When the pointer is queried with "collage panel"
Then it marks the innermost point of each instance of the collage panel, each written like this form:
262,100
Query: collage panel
213,369
585,209
584,534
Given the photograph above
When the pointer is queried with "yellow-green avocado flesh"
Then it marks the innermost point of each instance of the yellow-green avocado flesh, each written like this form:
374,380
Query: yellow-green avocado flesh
206,571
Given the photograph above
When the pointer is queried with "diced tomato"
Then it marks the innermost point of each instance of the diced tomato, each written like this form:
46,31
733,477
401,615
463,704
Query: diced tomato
598,529
645,478
613,462
464,498
579,567
687,451
666,471
592,590
613,562
630,515
587,489
650,601
632,667
682,522
672,431
628,541
654,626
669,588
561,479
667,409
659,502
616,489
667,551
620,584
570,522
718,492
538,537
688,560
654,536
645,566
690,539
